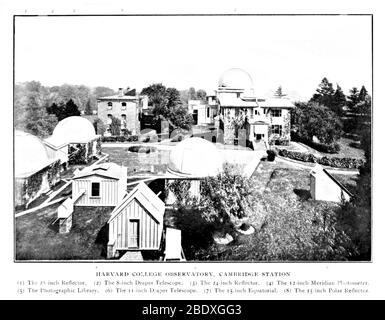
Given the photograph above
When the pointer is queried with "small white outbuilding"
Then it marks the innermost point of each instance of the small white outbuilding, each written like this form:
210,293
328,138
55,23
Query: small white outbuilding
137,222
323,186
104,184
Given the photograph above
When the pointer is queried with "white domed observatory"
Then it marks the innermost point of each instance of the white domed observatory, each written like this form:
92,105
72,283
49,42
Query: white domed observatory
195,158
76,135
192,160
35,171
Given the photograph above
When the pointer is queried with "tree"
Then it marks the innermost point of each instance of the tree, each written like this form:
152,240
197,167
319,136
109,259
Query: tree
339,101
71,109
192,95
278,93
88,108
325,94
353,98
99,126
201,94
115,126
167,103
228,196
355,216
156,94
363,94
30,110
313,119
57,110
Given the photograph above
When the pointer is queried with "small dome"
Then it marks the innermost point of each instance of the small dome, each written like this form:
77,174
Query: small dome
236,79
74,129
195,157
30,154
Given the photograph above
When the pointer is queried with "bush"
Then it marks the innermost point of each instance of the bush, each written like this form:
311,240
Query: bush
141,149
281,142
120,138
350,163
271,154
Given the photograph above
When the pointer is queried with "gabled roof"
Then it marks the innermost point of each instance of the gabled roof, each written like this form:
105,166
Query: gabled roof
147,198
108,170
54,143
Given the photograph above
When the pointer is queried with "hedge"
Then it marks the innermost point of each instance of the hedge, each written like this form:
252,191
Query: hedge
350,163
120,138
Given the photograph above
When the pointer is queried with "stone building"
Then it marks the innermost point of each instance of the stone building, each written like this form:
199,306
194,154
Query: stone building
239,108
125,107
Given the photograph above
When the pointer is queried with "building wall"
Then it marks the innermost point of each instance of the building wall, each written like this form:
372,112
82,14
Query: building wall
110,195
131,111
150,231
47,178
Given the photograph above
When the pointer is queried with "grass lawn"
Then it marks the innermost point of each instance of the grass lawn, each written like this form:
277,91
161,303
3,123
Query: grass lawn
139,162
346,150
280,191
38,239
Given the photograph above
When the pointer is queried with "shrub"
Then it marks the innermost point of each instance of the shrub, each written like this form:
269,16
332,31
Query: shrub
322,147
350,163
271,154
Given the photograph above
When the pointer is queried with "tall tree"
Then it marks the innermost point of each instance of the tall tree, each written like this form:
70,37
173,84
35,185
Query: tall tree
201,94
339,101
363,94
192,95
115,126
71,109
353,98
279,93
317,120
30,110
324,94
58,110
166,102
88,108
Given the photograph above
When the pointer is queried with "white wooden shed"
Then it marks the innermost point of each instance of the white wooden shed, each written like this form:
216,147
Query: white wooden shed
137,222
104,184
323,186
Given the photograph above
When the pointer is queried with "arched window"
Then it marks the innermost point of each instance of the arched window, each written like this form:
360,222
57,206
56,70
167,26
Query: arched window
124,106
109,105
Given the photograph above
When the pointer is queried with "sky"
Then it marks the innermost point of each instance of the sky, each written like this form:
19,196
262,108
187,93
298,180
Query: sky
294,52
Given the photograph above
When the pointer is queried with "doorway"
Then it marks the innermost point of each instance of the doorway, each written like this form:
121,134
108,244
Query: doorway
133,233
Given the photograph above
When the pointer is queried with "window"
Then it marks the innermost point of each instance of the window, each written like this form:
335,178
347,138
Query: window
109,105
276,129
124,106
208,112
276,112
95,189
124,117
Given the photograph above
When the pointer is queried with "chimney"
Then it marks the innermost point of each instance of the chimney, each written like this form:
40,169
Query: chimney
120,92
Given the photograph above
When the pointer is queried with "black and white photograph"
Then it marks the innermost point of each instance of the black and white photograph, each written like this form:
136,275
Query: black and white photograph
193,138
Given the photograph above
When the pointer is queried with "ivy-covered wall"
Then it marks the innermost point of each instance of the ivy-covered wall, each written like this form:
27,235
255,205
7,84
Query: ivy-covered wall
30,188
